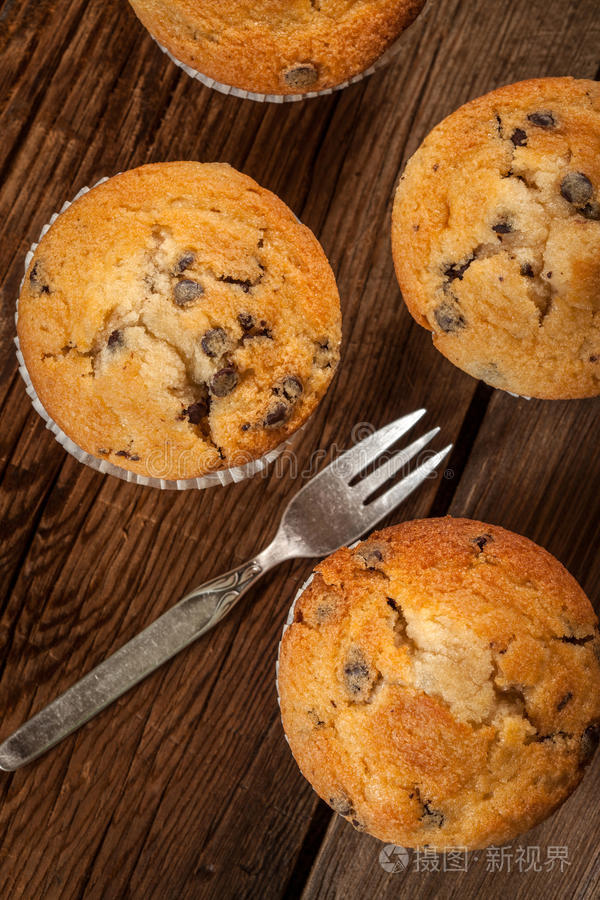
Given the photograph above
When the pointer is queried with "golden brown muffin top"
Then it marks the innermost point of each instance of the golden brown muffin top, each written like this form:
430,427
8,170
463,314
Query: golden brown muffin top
496,237
440,683
177,319
271,47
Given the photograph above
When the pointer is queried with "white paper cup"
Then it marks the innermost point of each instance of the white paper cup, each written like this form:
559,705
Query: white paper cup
383,60
220,477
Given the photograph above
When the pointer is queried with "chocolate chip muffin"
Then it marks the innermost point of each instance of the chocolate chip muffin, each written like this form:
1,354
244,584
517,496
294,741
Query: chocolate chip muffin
178,320
496,237
271,47
440,683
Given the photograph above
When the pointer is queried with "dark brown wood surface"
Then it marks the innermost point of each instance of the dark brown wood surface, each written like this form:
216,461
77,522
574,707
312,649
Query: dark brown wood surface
186,787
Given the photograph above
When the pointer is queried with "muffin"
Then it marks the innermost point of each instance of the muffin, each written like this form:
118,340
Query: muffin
267,47
496,237
440,683
177,320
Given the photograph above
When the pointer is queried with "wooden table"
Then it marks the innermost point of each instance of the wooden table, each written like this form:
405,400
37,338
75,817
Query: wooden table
186,788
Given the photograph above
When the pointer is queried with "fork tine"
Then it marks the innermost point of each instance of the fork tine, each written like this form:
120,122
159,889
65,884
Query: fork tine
392,466
383,505
366,451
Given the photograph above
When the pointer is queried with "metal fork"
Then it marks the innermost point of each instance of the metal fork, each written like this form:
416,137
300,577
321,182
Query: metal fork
336,507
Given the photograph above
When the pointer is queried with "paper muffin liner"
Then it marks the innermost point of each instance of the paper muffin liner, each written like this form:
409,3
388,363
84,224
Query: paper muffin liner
228,89
221,477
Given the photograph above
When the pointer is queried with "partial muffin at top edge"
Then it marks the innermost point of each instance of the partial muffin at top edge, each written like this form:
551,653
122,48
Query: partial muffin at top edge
178,320
268,47
496,237
440,683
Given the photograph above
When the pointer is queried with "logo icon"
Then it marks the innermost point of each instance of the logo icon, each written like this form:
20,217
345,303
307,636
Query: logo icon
393,859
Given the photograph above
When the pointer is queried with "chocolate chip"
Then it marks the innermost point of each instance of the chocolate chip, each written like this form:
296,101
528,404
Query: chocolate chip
432,818
215,342
223,382
357,672
301,75
132,456
449,318
323,355
246,321
392,604
591,211
543,119
519,137
589,743
115,340
457,270
482,540
292,388
37,279
184,262
253,329
186,292
262,332
342,805
246,426
277,415
502,228
576,188
594,358
562,703
196,412
527,270
371,556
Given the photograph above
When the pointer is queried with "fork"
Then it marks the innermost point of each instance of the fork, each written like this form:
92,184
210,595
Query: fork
336,507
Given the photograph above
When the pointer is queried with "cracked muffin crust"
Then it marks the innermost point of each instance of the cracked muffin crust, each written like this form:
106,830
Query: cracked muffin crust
271,47
440,683
177,320
496,237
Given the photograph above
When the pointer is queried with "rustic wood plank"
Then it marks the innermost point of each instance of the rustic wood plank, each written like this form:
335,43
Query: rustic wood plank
186,787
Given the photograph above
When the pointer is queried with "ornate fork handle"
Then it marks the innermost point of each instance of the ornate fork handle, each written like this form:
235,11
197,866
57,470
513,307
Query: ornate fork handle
331,509
195,614
212,601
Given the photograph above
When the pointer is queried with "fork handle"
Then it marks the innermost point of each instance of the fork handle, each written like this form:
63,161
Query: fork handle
194,615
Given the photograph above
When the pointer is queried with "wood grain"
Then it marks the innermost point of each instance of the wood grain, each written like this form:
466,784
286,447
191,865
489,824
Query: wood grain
186,788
